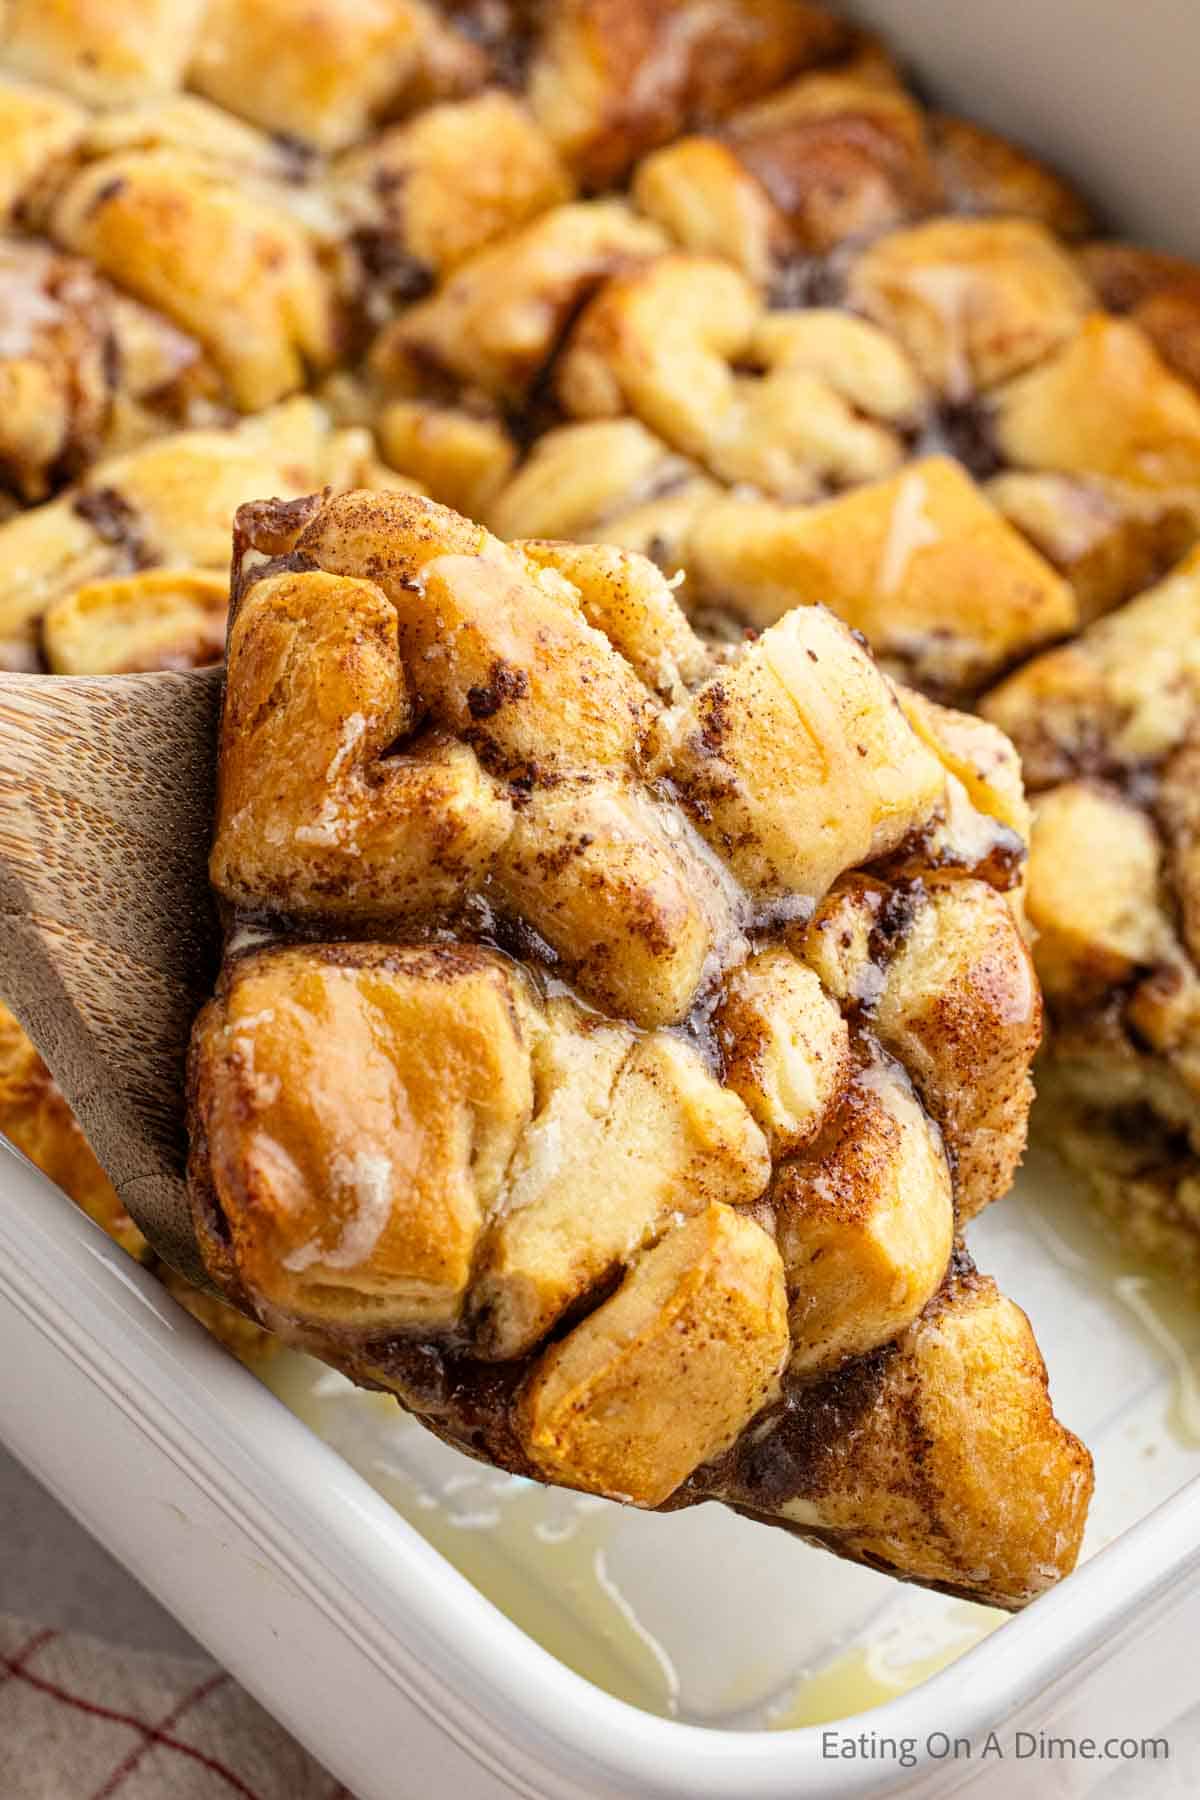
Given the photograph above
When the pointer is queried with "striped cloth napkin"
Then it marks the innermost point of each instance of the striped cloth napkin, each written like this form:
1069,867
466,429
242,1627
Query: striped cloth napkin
85,1720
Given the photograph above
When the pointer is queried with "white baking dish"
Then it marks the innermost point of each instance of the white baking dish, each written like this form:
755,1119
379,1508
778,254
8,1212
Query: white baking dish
408,1682
329,1605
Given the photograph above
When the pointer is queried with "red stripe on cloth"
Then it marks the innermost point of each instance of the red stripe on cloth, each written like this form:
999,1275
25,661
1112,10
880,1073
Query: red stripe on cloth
154,1734
12,1665
54,1692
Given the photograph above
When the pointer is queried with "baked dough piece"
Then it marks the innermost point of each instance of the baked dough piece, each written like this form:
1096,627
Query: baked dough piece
1104,404
427,194
842,155
896,559
982,172
496,321
54,362
37,128
707,201
864,1224
105,52
167,505
565,1098
228,264
1160,293
155,619
1109,540
82,370
193,126
609,81
322,73
699,1316
828,160
791,403
608,481
974,301
465,457
428,1039
1108,728
35,1117
928,1458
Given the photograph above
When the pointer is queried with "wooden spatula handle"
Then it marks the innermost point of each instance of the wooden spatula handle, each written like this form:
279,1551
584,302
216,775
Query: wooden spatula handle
108,939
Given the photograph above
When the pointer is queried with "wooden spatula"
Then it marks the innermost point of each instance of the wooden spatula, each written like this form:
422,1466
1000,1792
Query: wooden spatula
108,937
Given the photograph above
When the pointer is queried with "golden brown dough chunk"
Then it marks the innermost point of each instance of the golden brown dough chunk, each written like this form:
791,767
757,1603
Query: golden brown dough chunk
323,73
613,78
1093,935
497,320
845,941
84,371
35,1117
973,301
939,1457
983,768
841,154
48,551
463,459
669,341
505,655
944,976
796,762
864,1223
431,192
623,896
946,591
1109,728
960,993
785,1047
170,503
1160,293
607,480
628,1136
1119,698
38,127
104,52
708,202
858,362
709,1177
198,129
662,1376
1109,540
1104,404
983,172
626,597
160,619
55,357
311,814
356,1107
228,264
